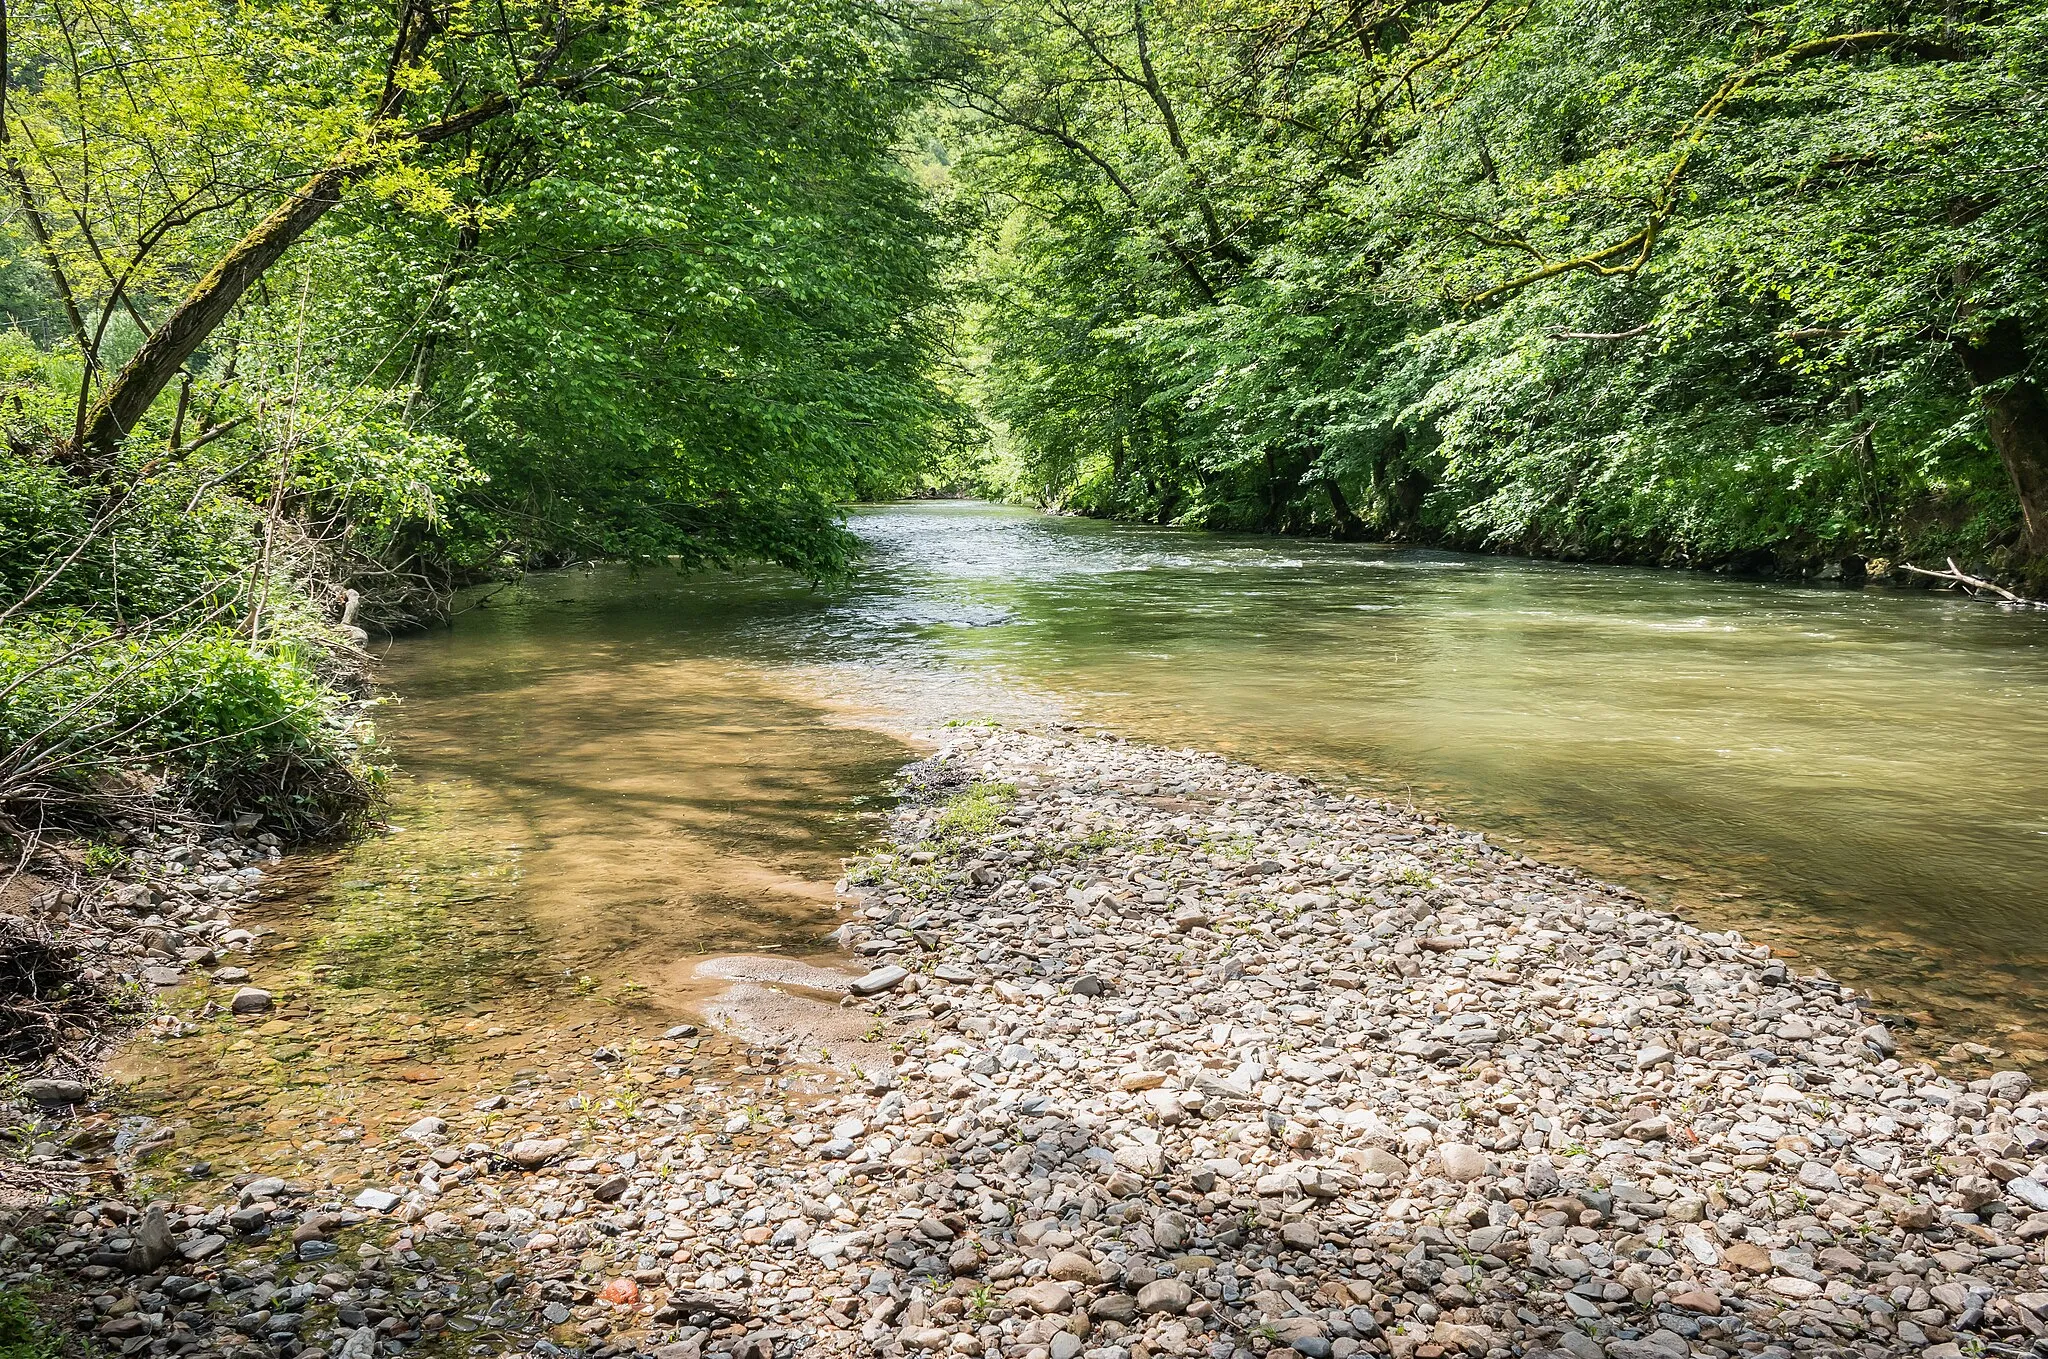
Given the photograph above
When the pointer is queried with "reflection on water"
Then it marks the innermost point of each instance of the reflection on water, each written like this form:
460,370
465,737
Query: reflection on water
604,774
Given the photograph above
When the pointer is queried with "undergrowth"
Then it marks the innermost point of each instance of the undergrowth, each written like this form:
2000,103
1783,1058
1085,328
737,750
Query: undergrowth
149,669
23,1332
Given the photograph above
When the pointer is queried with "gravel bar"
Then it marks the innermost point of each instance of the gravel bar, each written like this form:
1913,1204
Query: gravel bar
1183,1058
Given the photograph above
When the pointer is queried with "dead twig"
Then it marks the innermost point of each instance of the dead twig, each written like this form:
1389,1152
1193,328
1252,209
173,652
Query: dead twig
1642,329
1957,576
483,599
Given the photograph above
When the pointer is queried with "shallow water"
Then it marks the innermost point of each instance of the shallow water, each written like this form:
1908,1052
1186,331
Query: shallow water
592,790
1861,777
603,775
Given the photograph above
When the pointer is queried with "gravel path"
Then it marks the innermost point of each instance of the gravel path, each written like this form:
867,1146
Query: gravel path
1177,1057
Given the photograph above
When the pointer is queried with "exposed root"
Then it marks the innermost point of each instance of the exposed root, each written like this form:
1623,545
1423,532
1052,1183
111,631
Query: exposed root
43,992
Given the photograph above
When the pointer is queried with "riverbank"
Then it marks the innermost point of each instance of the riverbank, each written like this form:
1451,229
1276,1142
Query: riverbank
1156,1054
91,936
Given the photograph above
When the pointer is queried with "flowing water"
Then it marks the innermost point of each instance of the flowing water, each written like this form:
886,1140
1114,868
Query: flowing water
604,774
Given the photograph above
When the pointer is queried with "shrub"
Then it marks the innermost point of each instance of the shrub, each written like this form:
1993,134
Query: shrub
92,718
158,547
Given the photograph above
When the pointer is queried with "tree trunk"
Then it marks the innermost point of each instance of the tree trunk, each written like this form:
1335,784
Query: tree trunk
2016,417
1348,525
129,396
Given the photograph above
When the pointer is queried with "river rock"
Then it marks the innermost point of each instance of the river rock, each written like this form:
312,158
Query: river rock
1394,1062
880,980
1747,1255
1461,1161
1071,1266
534,1152
250,1000
1797,1289
154,1245
203,1247
55,1091
1168,1296
2029,1191
1044,1298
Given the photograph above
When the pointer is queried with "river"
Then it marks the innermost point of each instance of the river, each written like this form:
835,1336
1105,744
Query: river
603,775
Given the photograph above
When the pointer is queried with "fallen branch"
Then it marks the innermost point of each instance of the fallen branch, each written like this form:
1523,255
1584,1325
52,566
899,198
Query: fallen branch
1955,575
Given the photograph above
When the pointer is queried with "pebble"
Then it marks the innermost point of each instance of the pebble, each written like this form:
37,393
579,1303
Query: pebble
1232,1066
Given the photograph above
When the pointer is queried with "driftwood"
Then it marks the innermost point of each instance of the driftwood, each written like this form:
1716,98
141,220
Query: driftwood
1956,576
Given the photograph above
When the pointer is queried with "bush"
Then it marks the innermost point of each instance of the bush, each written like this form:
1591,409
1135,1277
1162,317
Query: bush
92,719
162,545
132,677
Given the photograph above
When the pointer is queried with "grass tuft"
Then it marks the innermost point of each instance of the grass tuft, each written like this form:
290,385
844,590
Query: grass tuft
973,815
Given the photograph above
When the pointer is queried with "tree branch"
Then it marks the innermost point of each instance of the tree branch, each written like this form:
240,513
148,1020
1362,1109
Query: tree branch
1643,240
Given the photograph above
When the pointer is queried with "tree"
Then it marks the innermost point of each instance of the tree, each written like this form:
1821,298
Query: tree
171,151
1649,279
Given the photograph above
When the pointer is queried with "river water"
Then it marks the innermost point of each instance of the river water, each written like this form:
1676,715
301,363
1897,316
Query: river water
603,775
1859,777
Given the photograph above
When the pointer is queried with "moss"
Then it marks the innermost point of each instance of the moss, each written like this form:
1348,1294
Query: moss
973,815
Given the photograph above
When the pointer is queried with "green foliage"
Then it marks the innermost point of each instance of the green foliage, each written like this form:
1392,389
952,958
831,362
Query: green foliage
686,318
23,1332
1644,279
159,547
973,815
86,714
671,295
591,279
157,646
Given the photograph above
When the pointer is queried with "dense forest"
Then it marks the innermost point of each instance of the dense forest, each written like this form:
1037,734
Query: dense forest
318,312
1644,280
